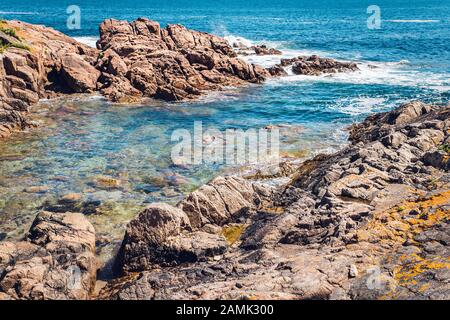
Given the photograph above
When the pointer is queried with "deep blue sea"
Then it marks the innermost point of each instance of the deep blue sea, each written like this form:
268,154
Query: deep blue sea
407,58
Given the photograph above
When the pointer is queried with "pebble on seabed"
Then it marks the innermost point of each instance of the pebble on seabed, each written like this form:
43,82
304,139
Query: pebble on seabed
37,189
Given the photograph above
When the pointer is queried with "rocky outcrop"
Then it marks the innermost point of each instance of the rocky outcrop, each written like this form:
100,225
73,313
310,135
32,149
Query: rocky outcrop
163,235
39,62
157,237
311,66
259,50
368,222
141,59
56,260
135,60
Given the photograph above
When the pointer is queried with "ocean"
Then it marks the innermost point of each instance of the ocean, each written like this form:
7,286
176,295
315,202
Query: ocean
407,58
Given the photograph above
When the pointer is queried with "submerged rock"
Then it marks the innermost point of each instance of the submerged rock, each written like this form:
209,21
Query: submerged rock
107,182
37,189
73,202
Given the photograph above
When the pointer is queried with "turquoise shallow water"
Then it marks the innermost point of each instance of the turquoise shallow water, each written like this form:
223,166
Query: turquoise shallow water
86,138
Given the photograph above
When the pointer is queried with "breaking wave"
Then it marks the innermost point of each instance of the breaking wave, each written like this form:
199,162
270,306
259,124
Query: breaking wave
89,41
397,73
413,21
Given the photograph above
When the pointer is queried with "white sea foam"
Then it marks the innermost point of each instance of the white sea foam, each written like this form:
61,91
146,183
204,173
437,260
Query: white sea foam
389,73
89,41
381,73
359,105
237,39
413,21
269,60
22,13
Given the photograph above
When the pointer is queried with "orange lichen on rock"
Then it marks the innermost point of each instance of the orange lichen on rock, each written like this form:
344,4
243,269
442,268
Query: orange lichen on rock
399,225
232,233
406,274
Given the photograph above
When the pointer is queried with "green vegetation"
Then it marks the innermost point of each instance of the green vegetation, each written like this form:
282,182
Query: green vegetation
21,46
5,46
10,32
445,147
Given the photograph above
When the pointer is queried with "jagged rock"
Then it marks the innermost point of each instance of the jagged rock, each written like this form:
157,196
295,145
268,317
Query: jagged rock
370,221
157,237
314,65
173,63
78,74
6,39
163,235
35,70
358,224
56,261
133,60
263,50
219,201
277,71
438,159
378,125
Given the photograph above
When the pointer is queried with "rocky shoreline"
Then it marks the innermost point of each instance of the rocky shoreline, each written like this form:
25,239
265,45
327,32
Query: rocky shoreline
368,222
132,61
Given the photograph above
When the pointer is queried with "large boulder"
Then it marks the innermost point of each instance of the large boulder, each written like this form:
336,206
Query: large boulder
133,61
78,74
163,235
57,260
159,236
220,201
